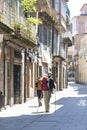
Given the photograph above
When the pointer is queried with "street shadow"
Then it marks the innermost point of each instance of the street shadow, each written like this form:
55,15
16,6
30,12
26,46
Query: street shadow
80,88
69,110
32,106
38,112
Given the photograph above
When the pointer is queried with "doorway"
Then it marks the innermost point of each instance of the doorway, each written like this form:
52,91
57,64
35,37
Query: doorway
17,81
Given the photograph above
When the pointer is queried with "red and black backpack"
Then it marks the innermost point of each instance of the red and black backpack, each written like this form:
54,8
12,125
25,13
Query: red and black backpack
45,84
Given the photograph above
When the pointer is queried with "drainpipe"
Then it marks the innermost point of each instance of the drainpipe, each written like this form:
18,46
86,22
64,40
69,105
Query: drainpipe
2,60
4,65
4,71
25,76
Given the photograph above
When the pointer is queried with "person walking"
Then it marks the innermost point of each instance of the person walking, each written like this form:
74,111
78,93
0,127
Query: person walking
2,102
39,91
47,87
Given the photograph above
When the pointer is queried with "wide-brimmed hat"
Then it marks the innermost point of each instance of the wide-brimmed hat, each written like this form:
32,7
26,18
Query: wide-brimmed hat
44,74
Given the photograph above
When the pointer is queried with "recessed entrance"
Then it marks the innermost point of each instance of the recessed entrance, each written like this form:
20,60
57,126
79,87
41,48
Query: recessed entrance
17,80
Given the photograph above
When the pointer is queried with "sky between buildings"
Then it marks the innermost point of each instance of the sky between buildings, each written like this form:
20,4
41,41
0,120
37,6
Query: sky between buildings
75,6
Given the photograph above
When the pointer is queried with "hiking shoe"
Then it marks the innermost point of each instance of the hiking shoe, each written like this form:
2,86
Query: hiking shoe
47,111
40,104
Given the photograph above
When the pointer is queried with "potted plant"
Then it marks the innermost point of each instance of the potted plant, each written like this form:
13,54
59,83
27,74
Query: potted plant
17,28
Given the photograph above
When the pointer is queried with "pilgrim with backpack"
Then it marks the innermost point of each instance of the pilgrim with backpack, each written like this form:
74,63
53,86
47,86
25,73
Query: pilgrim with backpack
47,88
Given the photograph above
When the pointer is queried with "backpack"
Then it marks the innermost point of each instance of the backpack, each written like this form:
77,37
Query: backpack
51,83
45,84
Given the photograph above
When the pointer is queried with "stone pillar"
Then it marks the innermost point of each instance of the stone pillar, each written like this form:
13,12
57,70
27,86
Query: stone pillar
32,81
58,84
23,77
60,76
1,64
11,100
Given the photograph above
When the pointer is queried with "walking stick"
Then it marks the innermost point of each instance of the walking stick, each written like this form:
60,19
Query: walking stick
55,100
37,107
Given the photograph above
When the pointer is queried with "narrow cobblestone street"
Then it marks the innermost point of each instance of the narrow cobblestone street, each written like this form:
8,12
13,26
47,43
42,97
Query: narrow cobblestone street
69,112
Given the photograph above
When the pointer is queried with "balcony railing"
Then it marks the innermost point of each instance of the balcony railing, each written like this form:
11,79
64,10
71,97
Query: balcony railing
45,7
28,31
58,14
10,19
67,36
60,53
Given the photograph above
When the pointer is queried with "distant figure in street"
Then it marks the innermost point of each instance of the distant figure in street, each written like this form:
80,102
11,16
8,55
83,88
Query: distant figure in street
39,91
47,87
2,100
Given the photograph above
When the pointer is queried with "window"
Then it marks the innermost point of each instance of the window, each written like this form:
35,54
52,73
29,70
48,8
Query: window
45,35
57,5
40,33
52,3
19,9
63,9
10,1
55,42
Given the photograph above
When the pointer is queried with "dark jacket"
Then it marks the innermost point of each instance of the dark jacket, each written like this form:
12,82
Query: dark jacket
51,83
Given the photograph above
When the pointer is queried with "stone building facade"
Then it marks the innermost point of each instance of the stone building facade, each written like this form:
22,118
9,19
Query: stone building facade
17,55
79,29
55,37
21,62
